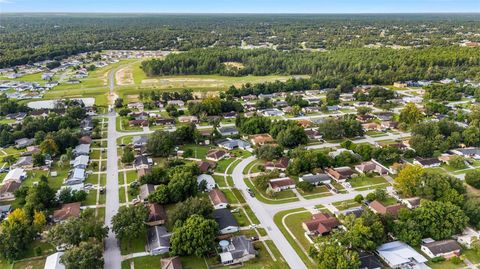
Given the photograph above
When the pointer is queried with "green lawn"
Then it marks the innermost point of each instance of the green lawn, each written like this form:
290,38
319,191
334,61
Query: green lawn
282,197
342,205
230,196
30,264
223,164
133,246
362,181
240,217
220,180
199,152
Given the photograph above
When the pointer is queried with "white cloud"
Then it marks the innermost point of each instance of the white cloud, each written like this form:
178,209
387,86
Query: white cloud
5,2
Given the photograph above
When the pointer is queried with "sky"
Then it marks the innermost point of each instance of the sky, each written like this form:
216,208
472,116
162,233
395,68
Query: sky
241,6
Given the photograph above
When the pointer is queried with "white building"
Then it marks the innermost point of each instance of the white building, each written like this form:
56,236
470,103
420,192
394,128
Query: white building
399,255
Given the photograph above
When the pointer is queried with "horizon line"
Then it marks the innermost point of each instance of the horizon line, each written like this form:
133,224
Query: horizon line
240,13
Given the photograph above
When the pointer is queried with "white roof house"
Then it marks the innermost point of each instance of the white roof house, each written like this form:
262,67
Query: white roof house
81,161
208,179
17,174
398,255
53,261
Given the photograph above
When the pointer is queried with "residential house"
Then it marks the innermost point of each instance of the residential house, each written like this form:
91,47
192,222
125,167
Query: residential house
164,121
412,202
261,139
23,142
71,210
230,115
227,131
178,103
368,260
218,199
77,176
188,119
444,248
158,240
139,141
39,113
145,191
427,162
53,261
357,211
171,263
316,179
85,140
25,162
280,184
372,126
281,164
272,112
231,144
142,123
239,250
81,149
81,162
209,181
340,173
86,124
320,224
19,116
389,124
204,166
379,208
371,166
313,134
399,255
250,97
156,214
467,152
468,237
136,105
142,161
7,190
226,221
335,153
364,118
216,155
17,174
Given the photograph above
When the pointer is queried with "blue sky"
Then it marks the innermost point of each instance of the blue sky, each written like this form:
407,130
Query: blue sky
242,6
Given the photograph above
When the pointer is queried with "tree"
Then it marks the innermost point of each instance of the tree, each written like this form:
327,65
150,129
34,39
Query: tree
196,236
193,205
48,146
268,152
40,197
10,159
160,144
365,232
363,110
87,255
408,178
161,195
410,114
128,156
472,177
457,162
129,222
292,137
358,198
124,112
472,210
118,102
38,159
305,186
331,255
16,234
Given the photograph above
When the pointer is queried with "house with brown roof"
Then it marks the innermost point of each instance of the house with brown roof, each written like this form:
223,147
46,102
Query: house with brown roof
85,140
280,164
379,208
171,263
204,166
7,190
71,210
218,199
371,166
143,123
372,126
157,214
321,224
340,173
261,139
216,154
280,184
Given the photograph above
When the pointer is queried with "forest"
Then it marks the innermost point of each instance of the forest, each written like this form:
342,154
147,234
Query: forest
28,38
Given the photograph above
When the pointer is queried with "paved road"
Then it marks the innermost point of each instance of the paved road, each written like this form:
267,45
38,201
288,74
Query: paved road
112,256
367,139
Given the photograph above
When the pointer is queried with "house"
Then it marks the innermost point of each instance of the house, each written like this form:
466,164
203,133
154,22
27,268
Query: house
209,181
136,105
397,254
178,103
371,166
230,115
171,263
316,179
320,224
81,162
239,250
412,202
372,126
468,237
335,153
204,166
427,162
7,190
158,240
272,112
467,152
218,199
357,211
17,174
164,121
216,155
230,144
379,208
82,149
71,210
227,130
85,140
400,85
143,123
364,118
31,150
23,142
25,162
444,248
340,173
142,161
280,184
139,141
313,134
281,164
368,260
188,119
77,176
389,124
145,191
86,124
156,214
226,221
53,261
261,139
17,116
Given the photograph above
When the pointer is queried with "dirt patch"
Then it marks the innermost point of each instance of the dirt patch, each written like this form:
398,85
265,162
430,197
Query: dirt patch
124,76
179,80
234,65
132,98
